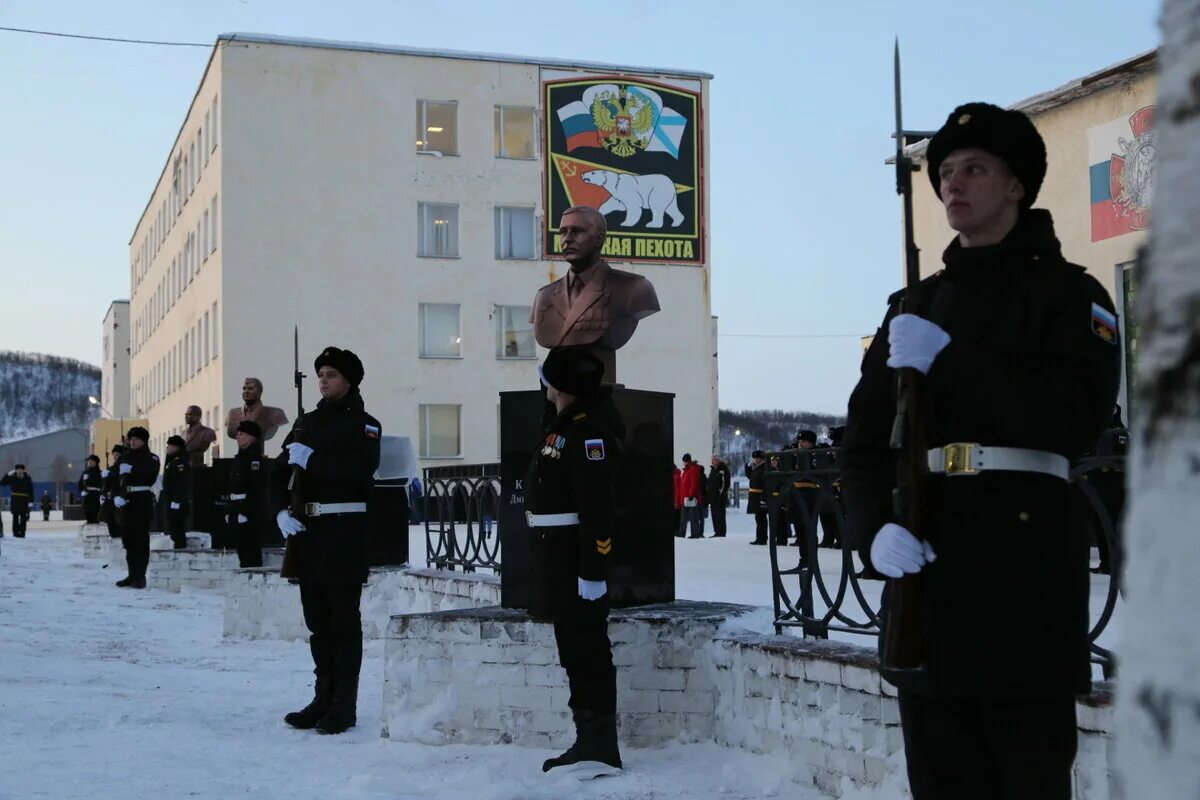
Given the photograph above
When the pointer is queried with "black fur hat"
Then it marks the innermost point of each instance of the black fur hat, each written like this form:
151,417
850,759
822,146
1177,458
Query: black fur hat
344,361
1008,135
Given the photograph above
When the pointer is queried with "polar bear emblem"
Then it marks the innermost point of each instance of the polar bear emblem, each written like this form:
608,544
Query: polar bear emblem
632,193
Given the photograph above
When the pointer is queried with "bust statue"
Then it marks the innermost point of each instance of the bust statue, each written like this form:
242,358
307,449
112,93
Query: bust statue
593,304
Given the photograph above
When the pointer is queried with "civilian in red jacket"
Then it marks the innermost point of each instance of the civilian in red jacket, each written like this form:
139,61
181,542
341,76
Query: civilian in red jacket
688,494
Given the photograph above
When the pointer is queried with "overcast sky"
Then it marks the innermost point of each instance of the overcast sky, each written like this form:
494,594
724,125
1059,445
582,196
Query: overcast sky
805,223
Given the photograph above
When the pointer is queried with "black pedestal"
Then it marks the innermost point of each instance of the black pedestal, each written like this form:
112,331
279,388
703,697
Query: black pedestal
387,523
643,569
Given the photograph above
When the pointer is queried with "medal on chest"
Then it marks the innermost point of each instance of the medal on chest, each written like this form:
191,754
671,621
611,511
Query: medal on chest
554,445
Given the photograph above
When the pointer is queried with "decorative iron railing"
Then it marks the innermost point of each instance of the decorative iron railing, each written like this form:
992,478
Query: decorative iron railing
847,606
461,507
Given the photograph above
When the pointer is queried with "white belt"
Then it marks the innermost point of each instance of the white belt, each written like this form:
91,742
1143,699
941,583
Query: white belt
968,458
237,497
140,489
321,509
551,520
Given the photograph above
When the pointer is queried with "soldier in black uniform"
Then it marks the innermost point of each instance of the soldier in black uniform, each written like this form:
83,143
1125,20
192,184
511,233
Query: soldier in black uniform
569,499
337,448
47,504
112,487
21,489
718,494
756,502
1021,358
176,488
244,515
136,470
91,485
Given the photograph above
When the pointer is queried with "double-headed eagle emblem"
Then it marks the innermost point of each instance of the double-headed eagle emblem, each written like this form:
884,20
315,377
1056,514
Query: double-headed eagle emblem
624,121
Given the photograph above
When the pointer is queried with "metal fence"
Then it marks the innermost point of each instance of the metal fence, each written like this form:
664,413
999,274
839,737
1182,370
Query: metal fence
461,506
847,608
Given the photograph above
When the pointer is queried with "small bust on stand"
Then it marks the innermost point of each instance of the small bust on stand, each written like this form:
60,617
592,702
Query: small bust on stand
593,304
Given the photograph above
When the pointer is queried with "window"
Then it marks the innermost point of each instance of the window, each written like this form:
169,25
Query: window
514,132
514,332
438,234
214,330
204,239
441,336
440,431
196,248
215,127
192,168
212,241
437,127
207,131
205,340
514,232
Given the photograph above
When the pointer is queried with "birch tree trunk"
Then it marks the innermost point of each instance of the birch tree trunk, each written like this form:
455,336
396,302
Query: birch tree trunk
1158,700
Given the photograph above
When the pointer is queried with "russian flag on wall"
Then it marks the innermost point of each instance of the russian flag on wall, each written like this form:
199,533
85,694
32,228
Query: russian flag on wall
1108,148
580,130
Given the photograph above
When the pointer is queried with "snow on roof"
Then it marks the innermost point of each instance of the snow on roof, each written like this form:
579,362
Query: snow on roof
1069,92
368,47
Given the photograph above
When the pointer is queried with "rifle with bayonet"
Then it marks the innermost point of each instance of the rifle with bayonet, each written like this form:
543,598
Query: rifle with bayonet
902,646
291,552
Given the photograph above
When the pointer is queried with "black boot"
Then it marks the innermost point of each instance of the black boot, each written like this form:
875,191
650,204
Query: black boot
124,582
307,717
595,742
343,710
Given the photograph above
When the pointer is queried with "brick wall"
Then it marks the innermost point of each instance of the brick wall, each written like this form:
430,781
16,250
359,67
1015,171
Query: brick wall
684,673
261,605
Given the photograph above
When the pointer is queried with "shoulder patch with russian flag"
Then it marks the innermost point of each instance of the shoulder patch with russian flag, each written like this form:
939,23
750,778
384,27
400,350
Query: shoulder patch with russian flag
372,431
1104,323
594,449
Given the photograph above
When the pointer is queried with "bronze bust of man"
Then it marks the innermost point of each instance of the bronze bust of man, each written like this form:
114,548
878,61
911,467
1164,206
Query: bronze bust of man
593,304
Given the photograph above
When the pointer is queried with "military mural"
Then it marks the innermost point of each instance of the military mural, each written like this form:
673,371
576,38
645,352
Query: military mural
1121,159
631,148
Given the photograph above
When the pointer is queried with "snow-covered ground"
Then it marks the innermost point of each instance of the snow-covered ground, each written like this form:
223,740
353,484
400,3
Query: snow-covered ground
111,694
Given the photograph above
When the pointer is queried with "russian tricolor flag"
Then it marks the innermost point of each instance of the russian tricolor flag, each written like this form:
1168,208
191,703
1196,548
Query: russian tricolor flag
1105,168
576,119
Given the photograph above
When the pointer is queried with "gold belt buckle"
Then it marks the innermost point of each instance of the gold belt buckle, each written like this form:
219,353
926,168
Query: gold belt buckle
529,518
958,458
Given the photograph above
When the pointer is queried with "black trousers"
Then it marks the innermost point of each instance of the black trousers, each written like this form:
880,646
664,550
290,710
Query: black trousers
135,535
988,749
245,536
760,526
20,515
585,652
335,635
91,508
177,526
717,510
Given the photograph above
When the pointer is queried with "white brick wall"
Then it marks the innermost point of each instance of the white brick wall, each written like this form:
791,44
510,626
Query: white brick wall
489,675
261,605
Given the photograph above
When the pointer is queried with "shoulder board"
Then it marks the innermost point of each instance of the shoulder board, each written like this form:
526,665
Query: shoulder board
579,416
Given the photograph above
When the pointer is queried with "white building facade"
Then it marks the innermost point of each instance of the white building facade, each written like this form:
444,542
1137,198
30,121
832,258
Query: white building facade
297,194
114,362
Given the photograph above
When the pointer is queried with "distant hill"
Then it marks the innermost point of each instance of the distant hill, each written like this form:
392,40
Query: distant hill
743,432
41,393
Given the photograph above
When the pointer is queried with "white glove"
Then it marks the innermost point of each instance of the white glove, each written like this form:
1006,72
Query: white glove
125,469
592,590
174,506
12,472
895,551
914,342
288,525
242,519
118,501
299,454
103,473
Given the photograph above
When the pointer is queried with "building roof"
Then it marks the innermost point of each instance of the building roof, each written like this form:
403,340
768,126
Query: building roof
367,47
1121,72
25,440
